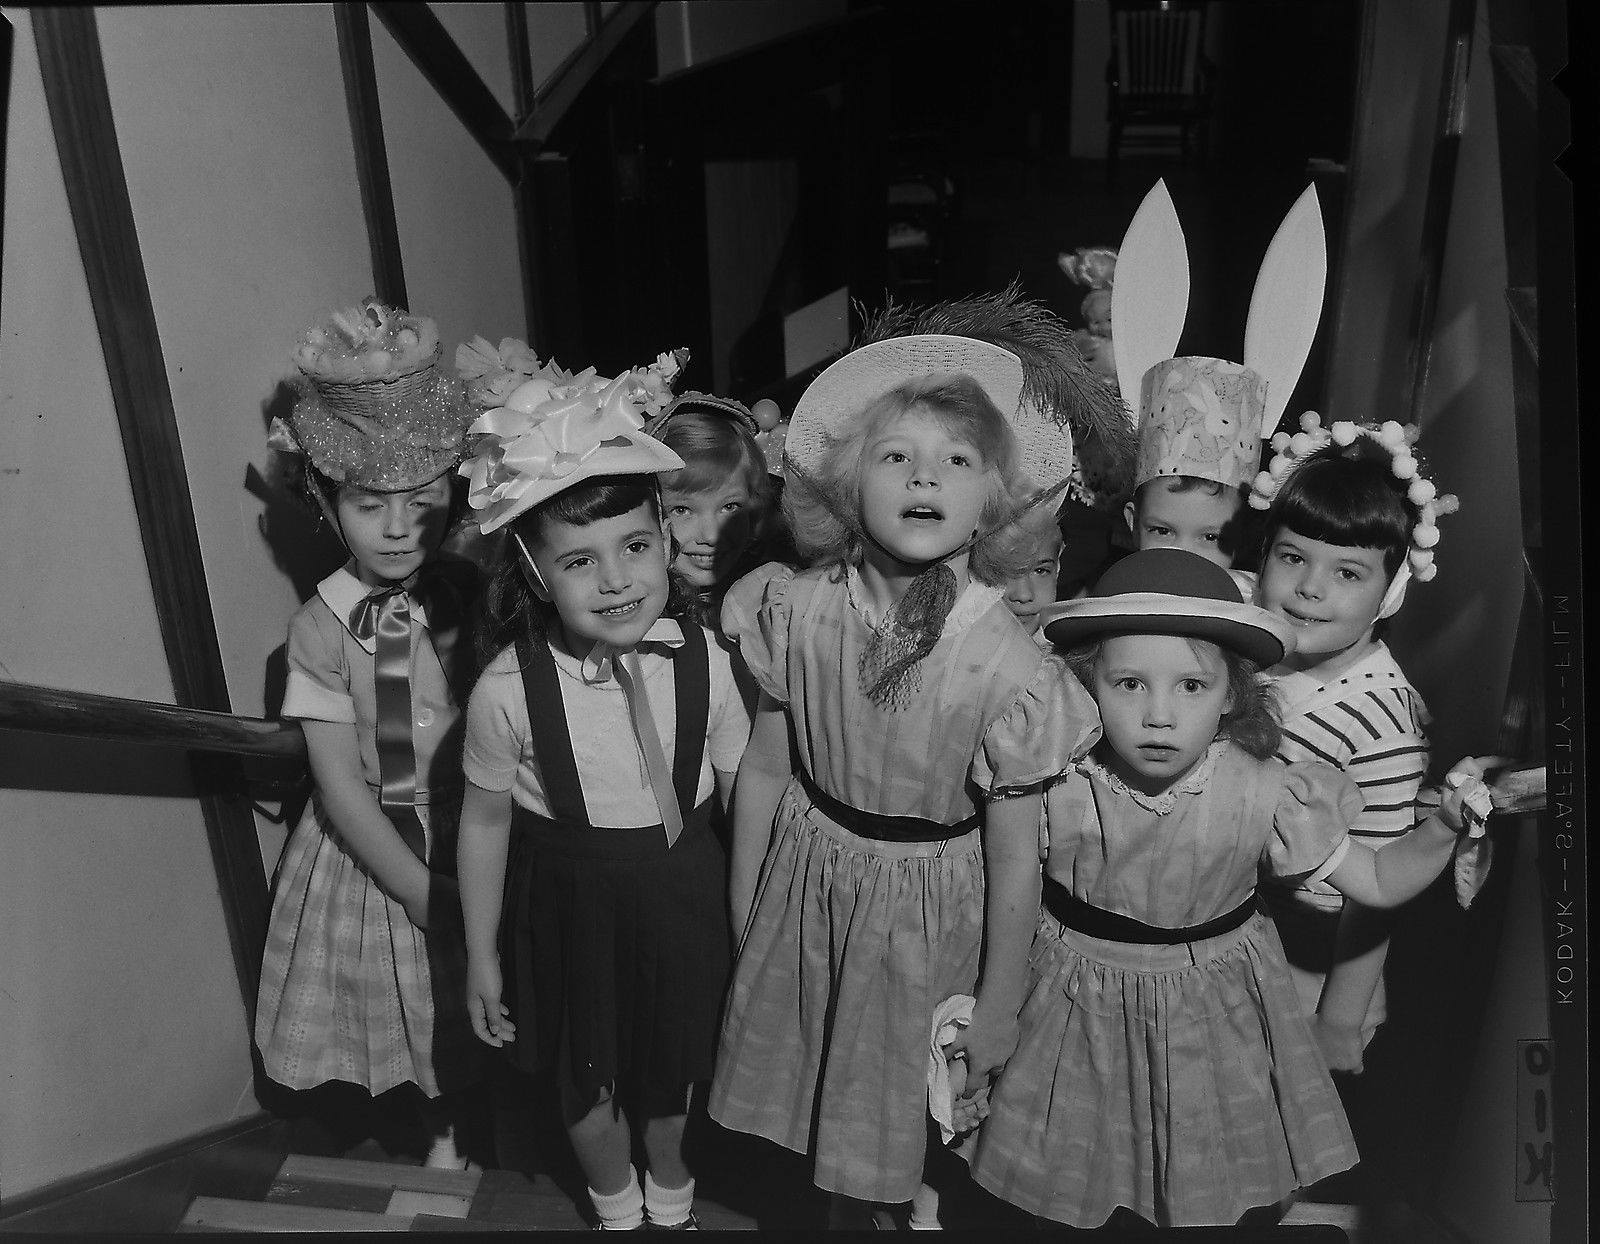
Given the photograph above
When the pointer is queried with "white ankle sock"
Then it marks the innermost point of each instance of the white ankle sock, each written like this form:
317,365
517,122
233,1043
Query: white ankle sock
443,1154
925,1210
620,1211
667,1207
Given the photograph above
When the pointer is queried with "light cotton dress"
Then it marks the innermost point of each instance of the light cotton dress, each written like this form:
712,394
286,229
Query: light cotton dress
1181,1081
350,988
853,942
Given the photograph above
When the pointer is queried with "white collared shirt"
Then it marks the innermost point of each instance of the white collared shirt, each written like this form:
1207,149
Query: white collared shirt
498,754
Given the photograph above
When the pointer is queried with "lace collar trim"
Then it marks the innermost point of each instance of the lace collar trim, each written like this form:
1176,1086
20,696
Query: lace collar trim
1192,783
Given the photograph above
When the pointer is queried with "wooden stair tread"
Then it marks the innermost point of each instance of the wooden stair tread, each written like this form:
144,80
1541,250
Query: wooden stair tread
208,1213
298,1167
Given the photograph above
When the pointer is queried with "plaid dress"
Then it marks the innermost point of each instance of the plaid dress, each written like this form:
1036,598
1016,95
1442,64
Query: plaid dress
350,988
854,941
1181,1081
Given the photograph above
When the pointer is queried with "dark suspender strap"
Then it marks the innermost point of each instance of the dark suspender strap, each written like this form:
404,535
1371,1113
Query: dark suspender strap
876,825
1082,917
691,681
547,726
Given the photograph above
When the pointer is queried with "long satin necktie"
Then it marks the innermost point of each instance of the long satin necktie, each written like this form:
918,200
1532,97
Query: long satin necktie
631,678
397,755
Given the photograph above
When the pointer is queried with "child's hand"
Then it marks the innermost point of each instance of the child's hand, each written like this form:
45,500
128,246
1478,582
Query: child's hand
1340,1045
965,1112
986,1043
491,1018
1467,803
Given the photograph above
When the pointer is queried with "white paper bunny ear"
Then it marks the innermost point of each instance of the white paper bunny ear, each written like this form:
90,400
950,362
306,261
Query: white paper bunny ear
1285,306
1150,296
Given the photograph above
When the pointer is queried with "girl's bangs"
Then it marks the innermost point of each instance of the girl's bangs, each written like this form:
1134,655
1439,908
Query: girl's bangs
711,469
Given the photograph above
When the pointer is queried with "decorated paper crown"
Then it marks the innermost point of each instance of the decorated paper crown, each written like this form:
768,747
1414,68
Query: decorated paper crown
1206,417
374,410
556,430
1391,440
1020,354
1167,591
764,421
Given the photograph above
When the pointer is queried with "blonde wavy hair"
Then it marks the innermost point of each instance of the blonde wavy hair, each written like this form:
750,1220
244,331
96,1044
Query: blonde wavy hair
824,508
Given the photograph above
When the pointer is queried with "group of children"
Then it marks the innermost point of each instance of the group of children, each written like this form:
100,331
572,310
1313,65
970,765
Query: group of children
841,811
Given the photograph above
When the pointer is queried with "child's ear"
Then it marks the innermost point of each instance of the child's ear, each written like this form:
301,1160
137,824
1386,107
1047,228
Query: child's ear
1130,513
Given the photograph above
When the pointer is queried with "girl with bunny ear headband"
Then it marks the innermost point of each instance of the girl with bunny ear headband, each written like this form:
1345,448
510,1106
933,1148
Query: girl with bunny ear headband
1201,420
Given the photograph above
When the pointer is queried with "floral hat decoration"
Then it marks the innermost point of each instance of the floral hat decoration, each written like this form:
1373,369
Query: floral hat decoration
1389,440
373,409
1206,417
554,430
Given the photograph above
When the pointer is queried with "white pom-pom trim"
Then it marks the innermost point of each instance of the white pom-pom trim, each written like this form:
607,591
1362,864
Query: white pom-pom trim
1310,421
1344,433
1425,536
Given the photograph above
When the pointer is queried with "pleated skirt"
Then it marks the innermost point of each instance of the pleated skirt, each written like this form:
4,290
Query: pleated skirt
851,945
350,989
1179,1081
615,953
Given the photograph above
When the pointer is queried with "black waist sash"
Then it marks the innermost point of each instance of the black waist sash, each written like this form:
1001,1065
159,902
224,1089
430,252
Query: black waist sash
1085,918
878,826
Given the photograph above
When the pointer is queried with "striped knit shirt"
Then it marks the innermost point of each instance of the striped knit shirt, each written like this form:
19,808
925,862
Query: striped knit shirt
1370,722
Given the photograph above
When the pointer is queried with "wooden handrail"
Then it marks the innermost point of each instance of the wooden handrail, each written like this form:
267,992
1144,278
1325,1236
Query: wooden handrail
50,710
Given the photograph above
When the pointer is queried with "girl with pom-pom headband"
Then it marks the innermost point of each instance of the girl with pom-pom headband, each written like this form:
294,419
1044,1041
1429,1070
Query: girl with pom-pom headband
1388,441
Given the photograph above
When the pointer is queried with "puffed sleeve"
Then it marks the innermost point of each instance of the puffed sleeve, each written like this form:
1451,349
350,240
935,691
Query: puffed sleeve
755,616
318,686
1046,730
497,726
1311,823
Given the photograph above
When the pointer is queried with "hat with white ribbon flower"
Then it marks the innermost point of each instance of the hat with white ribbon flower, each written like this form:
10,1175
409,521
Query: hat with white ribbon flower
556,431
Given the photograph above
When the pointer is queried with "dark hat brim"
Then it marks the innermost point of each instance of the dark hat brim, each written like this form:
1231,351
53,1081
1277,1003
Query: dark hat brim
1249,630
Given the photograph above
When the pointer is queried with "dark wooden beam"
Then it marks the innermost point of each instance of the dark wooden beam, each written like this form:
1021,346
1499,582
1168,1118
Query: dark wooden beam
425,40
5,97
557,96
102,215
372,156
524,198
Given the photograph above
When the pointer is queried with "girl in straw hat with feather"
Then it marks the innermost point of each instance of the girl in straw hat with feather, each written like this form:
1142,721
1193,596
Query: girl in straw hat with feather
362,979
867,882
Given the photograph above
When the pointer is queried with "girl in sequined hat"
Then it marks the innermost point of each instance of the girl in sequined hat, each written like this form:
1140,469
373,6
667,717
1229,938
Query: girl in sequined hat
924,721
601,745
363,976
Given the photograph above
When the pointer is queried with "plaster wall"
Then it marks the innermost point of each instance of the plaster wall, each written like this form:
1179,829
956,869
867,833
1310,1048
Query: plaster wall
121,1025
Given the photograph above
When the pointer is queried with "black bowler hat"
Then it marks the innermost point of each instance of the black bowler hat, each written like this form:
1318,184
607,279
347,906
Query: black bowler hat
1170,592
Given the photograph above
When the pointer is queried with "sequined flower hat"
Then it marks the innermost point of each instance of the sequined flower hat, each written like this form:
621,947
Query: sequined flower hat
555,429
1206,417
1389,441
373,409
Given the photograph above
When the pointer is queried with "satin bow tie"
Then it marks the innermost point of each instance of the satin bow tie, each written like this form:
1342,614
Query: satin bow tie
386,615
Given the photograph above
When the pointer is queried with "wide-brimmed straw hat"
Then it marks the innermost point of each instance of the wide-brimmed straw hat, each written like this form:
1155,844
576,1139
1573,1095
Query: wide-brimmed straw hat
854,382
1170,592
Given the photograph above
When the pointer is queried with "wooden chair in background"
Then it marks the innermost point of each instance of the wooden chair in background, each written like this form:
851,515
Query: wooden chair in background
1158,81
